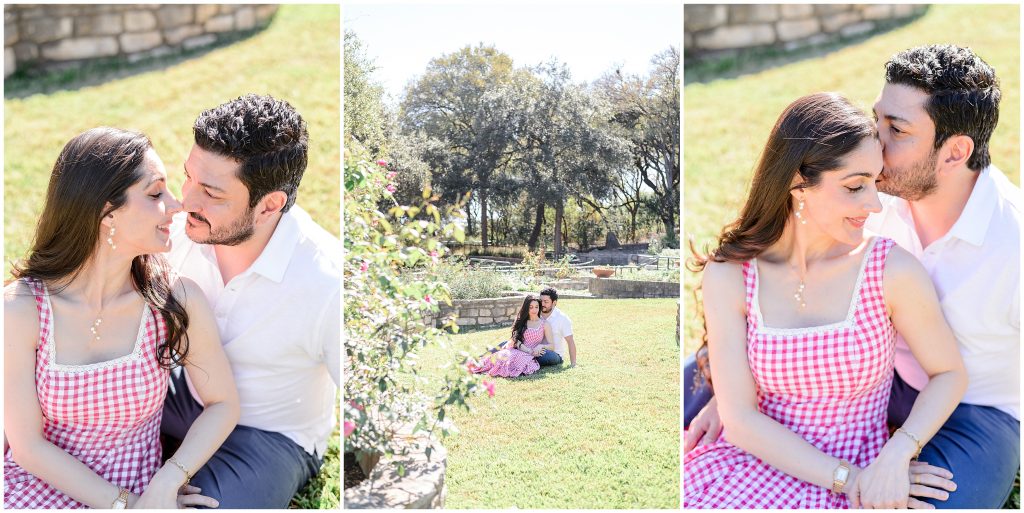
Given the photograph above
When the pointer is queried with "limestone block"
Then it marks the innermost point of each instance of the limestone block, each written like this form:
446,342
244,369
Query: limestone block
221,23
175,36
228,8
80,48
245,18
904,10
199,41
486,312
876,11
10,33
170,16
797,29
753,13
466,321
857,29
44,30
137,42
10,62
26,52
10,16
703,17
99,25
834,22
29,13
265,11
471,312
205,12
137,21
796,11
832,8
485,320
159,51
737,36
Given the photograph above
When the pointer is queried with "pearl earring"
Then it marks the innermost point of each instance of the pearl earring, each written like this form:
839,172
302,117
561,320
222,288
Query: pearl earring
798,213
110,237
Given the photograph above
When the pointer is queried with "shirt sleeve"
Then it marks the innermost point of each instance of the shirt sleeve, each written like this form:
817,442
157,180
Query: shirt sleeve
566,326
329,335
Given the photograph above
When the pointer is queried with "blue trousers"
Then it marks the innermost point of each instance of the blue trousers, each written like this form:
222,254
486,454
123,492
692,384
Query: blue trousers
978,444
253,469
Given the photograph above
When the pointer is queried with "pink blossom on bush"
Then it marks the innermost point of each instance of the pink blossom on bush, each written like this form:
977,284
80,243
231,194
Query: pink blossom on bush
391,175
349,428
390,188
365,266
382,163
489,385
428,299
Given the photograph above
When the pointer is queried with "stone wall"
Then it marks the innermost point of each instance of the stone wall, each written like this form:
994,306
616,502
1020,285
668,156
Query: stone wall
420,484
63,36
611,288
711,30
482,313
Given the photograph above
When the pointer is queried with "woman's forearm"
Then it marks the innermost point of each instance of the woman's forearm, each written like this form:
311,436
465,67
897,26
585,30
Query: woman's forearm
203,438
932,407
781,448
65,473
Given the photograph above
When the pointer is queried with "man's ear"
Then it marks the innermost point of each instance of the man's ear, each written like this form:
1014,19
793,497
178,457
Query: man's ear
957,150
271,204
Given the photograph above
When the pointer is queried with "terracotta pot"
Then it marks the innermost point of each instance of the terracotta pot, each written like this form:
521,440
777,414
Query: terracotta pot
603,273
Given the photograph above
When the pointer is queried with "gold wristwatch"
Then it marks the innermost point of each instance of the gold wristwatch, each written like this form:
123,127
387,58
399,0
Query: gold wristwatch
121,502
839,476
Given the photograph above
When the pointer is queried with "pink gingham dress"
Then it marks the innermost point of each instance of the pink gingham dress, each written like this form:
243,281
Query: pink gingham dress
829,384
510,363
105,414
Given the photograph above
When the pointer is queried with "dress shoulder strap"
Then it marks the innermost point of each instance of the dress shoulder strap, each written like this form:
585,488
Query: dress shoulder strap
38,290
874,268
750,287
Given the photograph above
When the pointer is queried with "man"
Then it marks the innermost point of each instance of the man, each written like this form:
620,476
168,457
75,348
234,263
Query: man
273,279
960,216
561,330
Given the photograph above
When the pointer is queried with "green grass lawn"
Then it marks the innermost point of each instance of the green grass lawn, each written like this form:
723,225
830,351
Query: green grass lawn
602,435
727,121
296,58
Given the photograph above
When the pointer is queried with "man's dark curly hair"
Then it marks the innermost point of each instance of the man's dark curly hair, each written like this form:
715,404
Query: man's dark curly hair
266,135
549,292
963,93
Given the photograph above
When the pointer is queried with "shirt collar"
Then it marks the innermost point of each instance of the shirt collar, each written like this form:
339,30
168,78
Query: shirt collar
972,225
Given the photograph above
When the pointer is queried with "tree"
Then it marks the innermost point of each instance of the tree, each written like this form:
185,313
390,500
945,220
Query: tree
456,103
566,145
649,109
365,114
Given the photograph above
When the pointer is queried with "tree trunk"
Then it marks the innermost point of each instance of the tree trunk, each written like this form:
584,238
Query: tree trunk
483,217
470,226
559,214
537,224
632,225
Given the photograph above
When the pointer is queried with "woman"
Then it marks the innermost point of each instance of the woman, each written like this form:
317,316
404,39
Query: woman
531,337
85,375
801,310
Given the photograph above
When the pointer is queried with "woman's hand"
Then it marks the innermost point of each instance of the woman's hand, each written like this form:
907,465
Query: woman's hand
929,481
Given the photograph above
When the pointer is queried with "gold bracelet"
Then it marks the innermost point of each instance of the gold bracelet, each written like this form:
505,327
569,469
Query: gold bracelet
188,475
917,441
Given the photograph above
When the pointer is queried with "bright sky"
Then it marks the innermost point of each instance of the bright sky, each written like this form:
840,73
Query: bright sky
589,37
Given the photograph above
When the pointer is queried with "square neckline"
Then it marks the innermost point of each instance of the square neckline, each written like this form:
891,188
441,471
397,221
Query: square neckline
51,341
762,327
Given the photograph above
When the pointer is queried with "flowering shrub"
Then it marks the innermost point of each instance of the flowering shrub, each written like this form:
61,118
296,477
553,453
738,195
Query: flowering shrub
384,312
467,283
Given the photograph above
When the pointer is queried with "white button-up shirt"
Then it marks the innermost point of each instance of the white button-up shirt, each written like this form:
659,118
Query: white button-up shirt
976,271
280,325
561,327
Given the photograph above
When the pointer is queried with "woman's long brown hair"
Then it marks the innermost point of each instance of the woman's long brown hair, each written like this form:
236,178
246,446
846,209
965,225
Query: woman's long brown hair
811,137
95,169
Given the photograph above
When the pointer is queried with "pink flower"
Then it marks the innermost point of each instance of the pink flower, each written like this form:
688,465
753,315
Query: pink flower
392,174
428,299
365,266
390,188
382,163
489,385
433,256
349,428
356,406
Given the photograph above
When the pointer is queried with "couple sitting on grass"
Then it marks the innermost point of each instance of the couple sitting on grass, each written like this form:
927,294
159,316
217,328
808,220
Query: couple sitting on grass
807,315
230,346
541,336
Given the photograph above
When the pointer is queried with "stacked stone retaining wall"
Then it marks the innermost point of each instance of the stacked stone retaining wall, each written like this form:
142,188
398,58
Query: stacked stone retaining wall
481,313
612,288
722,29
65,36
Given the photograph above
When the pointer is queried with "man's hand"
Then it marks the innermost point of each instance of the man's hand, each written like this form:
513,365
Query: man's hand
928,481
704,428
539,351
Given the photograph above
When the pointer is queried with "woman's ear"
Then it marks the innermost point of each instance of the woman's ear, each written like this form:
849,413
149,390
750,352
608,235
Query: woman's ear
796,187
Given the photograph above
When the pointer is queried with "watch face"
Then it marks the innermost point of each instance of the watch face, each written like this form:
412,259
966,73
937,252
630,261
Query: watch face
842,473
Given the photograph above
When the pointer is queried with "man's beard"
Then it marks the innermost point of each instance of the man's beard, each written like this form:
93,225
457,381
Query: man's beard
914,182
234,234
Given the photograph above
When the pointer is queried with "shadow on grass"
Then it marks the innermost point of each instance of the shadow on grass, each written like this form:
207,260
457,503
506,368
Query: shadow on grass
746,62
27,82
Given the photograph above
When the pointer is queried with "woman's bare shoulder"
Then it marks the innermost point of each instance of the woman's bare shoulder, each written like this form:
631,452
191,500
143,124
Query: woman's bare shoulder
20,314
